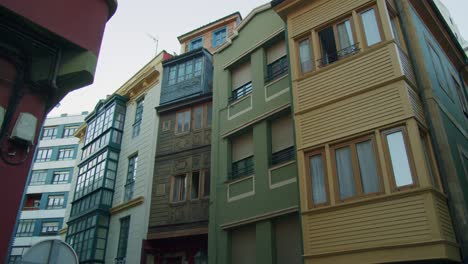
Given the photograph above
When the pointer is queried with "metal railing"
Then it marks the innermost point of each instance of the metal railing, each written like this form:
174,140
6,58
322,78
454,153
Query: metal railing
335,56
277,68
242,168
120,260
282,156
241,92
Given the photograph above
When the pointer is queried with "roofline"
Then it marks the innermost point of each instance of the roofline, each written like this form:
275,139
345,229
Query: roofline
209,24
184,55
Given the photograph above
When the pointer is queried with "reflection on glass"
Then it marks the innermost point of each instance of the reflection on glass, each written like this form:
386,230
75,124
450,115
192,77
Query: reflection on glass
371,28
399,159
368,167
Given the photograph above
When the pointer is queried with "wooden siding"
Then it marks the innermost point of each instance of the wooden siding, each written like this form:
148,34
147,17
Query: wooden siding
407,66
416,105
444,219
320,12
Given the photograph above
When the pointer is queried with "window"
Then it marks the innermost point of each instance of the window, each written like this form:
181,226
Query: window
200,184
49,133
69,131
195,185
209,114
131,176
172,75
182,122
461,96
17,254
398,154
25,228
282,142
179,186
206,183
184,71
123,239
356,168
198,117
55,201
305,55
371,27
198,67
138,117
181,73
38,178
336,42
166,125
66,154
317,180
242,155
219,37
196,43
43,154
241,81
277,61
49,228
60,177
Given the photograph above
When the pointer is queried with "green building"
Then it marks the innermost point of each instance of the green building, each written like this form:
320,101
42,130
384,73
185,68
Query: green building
254,194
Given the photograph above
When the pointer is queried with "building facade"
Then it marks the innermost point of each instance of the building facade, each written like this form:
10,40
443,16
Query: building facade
109,210
371,190
47,191
254,200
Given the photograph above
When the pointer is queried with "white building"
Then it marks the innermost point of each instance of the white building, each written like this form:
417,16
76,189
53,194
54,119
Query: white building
43,206
118,226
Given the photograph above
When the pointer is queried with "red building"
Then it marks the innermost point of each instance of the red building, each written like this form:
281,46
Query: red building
47,49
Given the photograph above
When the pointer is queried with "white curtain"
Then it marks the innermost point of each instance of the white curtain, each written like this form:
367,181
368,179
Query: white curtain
368,167
345,35
318,180
344,168
305,55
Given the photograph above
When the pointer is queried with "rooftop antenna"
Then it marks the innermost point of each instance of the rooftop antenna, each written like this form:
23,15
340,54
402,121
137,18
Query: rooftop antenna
156,41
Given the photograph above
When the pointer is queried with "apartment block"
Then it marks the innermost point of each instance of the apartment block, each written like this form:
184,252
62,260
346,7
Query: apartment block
45,197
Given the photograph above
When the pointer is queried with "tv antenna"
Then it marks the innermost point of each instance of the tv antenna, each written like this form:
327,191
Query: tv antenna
156,41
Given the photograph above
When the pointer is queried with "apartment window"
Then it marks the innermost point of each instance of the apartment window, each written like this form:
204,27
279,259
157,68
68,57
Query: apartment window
55,201
336,42
277,61
123,239
166,125
200,184
179,187
198,117
356,168
16,254
182,122
196,43
49,228
138,117
131,176
198,67
66,154
305,55
242,155
209,114
371,26
25,228
219,37
60,177
195,185
49,133
38,178
398,154
69,131
43,154
172,75
241,81
461,96
317,180
282,142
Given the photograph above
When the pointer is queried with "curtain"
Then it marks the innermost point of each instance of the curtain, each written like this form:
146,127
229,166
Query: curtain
305,55
345,35
371,28
327,39
399,158
281,134
344,169
319,194
368,167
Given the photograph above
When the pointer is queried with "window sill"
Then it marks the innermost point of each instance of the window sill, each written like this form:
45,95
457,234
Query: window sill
282,164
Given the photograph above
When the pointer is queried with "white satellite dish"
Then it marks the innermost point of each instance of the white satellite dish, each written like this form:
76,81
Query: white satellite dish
51,251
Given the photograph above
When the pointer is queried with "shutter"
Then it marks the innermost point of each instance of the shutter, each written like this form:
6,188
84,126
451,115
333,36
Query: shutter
243,245
281,134
241,75
276,51
242,147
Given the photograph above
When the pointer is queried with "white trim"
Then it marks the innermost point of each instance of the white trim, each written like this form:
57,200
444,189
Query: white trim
282,183
243,111
244,195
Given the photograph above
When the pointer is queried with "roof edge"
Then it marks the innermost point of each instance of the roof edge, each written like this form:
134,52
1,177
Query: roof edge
237,13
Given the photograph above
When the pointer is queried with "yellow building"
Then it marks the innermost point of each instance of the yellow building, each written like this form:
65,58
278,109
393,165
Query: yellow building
370,189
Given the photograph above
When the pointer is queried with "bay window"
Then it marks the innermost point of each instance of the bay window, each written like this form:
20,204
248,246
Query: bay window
305,55
336,41
370,26
317,180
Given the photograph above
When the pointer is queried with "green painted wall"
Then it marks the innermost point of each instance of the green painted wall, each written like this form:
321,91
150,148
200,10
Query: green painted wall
250,197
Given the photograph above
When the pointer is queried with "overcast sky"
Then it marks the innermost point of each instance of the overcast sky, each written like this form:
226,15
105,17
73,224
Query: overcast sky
126,47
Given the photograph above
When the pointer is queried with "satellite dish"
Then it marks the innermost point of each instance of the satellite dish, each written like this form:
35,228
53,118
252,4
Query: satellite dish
51,251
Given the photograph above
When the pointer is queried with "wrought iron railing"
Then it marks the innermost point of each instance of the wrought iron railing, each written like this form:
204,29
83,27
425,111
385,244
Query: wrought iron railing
277,68
242,168
120,260
283,156
241,92
335,56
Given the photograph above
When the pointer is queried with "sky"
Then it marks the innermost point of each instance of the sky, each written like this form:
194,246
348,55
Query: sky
126,46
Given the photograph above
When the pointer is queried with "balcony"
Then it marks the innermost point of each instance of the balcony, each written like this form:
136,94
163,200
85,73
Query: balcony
329,58
283,156
277,69
241,168
240,92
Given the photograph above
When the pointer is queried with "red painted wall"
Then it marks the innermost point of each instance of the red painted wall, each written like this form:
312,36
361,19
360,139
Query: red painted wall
79,21
13,177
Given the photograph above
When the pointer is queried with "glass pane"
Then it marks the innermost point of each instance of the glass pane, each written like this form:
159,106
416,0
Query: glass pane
395,29
187,121
305,55
345,34
206,187
328,45
180,117
317,175
198,117
368,167
194,194
399,159
371,28
344,169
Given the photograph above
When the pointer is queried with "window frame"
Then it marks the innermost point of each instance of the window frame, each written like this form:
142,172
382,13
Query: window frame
194,117
67,129
297,41
310,200
173,181
213,36
48,156
60,173
55,197
356,171
38,172
54,130
378,19
66,150
388,159
132,169
139,110
200,38
124,232
49,233
166,125
176,131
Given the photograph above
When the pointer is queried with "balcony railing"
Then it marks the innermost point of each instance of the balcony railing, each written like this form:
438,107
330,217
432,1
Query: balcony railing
282,156
340,54
119,260
277,69
241,92
244,167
